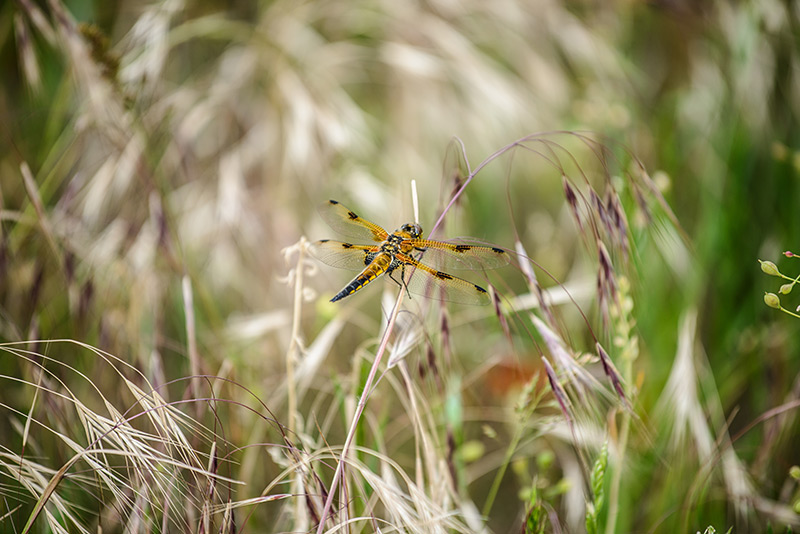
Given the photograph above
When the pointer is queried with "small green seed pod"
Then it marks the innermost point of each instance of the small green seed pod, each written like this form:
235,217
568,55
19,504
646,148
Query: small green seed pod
794,472
772,300
769,268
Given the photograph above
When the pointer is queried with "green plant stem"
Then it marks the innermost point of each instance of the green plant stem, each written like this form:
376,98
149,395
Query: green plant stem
628,354
487,507
784,310
616,478
622,444
528,406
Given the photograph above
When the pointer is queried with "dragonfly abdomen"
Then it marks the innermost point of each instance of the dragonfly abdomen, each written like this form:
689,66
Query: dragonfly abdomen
379,265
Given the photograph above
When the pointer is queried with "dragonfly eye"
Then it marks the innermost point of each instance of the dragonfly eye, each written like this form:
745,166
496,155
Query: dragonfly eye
414,230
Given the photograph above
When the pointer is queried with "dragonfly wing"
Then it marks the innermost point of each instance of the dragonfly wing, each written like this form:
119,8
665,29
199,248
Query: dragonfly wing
454,255
346,222
342,255
423,280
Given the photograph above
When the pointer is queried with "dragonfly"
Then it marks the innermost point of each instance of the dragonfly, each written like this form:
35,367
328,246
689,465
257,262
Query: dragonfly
404,256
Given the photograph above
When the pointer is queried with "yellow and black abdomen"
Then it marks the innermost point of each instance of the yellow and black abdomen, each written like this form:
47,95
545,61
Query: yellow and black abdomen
379,265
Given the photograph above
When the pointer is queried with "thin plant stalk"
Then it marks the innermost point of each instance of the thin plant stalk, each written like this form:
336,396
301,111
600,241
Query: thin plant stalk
498,479
291,357
362,402
628,353
616,477
294,344
191,337
526,406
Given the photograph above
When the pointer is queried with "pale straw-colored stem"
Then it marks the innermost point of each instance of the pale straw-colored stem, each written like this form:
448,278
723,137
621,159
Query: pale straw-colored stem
291,357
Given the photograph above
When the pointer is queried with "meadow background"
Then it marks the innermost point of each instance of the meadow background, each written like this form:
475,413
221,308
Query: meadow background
169,360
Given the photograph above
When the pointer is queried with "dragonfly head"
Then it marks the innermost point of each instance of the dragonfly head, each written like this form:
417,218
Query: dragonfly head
412,229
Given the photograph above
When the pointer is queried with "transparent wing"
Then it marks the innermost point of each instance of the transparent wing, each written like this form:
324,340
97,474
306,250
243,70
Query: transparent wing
453,255
423,280
341,255
346,222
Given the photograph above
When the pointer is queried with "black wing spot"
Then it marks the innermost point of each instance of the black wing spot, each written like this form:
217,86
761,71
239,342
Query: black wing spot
443,276
498,250
333,202
463,248
347,245
324,240
479,288
352,215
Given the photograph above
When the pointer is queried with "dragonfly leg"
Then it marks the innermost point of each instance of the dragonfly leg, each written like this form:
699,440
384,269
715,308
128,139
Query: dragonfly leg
402,282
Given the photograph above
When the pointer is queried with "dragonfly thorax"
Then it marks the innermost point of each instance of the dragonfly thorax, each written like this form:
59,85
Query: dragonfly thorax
400,239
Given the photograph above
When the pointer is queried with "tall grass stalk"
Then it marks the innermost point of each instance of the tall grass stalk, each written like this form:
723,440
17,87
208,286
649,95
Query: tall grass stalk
627,343
526,405
292,355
